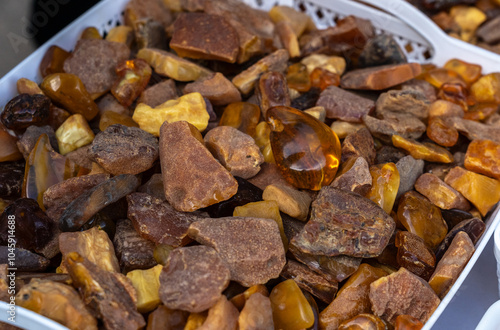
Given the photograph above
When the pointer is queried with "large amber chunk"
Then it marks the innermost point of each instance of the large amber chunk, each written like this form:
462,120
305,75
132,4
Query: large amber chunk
133,78
272,90
291,310
385,185
68,90
468,71
422,218
425,150
243,116
73,134
306,151
487,88
483,156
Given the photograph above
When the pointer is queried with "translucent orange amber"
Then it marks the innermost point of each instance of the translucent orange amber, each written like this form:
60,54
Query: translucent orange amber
469,72
426,151
262,139
385,185
480,111
322,78
9,150
297,77
109,118
306,151
91,33
243,116
442,134
291,310
133,78
440,76
53,61
407,322
455,93
487,88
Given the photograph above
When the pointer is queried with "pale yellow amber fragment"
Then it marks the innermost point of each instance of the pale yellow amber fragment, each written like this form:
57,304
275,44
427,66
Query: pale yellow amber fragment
426,151
385,185
487,88
73,134
334,64
146,283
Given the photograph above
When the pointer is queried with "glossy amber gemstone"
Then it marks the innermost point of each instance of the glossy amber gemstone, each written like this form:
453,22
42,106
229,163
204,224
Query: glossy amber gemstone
262,139
68,90
243,116
133,78
420,217
480,111
442,134
297,77
109,118
323,78
306,151
407,322
385,185
455,93
440,76
487,88
291,310
483,156
9,150
415,255
469,72
426,151
363,321
53,61
90,33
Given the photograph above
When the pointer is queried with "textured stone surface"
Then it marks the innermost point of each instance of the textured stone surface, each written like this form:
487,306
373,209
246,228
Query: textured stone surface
344,105
291,201
404,124
439,193
359,144
256,314
354,176
217,88
159,93
409,170
27,142
381,50
223,315
409,101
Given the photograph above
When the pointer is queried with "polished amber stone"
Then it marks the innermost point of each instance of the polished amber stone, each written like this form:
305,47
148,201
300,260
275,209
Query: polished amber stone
480,111
426,151
306,151
483,156
385,185
90,33
297,77
407,322
363,321
291,310
442,134
262,139
487,88
68,90
53,61
468,71
9,150
323,78
133,78
455,93
420,217
440,76
109,118
243,116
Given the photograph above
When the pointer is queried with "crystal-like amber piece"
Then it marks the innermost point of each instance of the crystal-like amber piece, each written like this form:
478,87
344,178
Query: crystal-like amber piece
133,78
9,150
414,255
441,133
306,151
440,76
291,310
322,78
468,71
53,61
363,321
146,283
73,134
262,139
487,88
480,111
422,218
426,151
90,33
297,77
483,156
385,185
109,118
68,90
407,322
240,299
455,93
243,116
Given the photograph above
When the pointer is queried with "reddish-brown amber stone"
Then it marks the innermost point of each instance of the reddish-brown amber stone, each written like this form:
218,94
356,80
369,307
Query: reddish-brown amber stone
243,116
442,134
455,93
323,78
469,72
407,322
306,151
297,77
133,78
440,76
109,118
53,61
385,185
414,255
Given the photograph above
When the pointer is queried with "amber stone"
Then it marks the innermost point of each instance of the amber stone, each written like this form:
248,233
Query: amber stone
385,185
473,227
53,61
414,255
57,116
439,193
166,318
483,156
9,151
306,151
441,133
297,77
468,71
109,118
455,93
422,218
11,179
291,310
25,110
440,76
146,283
133,77
195,321
272,90
380,77
240,299
487,88
363,321
322,79
442,108
480,111
300,21
257,314
425,150
241,115
90,33
68,90
262,139
407,322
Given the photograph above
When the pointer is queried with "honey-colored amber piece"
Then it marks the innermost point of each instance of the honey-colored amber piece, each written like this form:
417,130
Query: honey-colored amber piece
483,156
146,283
426,150
26,86
334,64
266,210
90,33
288,38
243,116
441,133
480,190
299,21
291,310
468,18
109,118
262,139
322,78
385,185
363,321
380,77
306,151
440,76
442,108
240,299
9,151
480,111
297,77
422,218
487,88
195,320
468,71
133,78
68,90
73,134
407,322
53,61
190,107
122,33
455,93
440,193
414,255
344,128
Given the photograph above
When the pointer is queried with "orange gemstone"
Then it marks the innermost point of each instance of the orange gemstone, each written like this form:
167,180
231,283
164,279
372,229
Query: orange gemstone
426,151
455,93
291,310
322,78
442,134
53,61
133,78
407,322
385,185
440,76
243,116
469,72
297,77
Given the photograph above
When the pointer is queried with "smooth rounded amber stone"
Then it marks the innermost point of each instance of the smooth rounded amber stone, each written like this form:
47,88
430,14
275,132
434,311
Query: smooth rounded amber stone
420,217
322,78
480,111
438,77
426,151
68,90
133,78
53,61
469,72
385,185
407,322
455,93
262,139
243,116
291,311
306,151
91,33
297,77
487,88
363,322
109,118
8,150
442,134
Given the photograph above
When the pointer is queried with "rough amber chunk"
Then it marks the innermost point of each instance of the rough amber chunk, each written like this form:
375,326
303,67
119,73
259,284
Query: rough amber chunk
53,61
68,90
257,314
109,118
25,110
441,133
385,185
468,71
291,310
288,38
468,18
363,321
440,76
407,322
9,151
483,156
146,284
133,77
487,88
422,218
73,134
442,108
455,93
195,320
306,151
380,77
262,139
299,21
166,318
122,33
414,255
297,77
272,90
322,78
439,193
241,115
480,190
426,151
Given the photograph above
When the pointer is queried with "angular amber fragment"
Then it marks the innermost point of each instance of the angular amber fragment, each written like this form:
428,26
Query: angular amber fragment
195,320
166,318
299,21
306,151
291,310
262,139
26,86
344,128
109,118
68,90
73,134
363,321
455,93
439,193
380,77
438,77
468,71
288,38
422,218
53,61
146,283
480,190
407,322
241,115
257,314
441,133
297,77
240,299
385,185
414,255
90,33
291,201
442,108
487,88
334,64
122,33
322,78
468,18
9,151
133,77
272,90
426,151
483,156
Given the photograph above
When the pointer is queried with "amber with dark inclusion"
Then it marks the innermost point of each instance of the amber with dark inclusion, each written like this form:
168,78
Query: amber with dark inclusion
25,110
133,77
243,116
455,93
415,255
306,151
297,77
53,61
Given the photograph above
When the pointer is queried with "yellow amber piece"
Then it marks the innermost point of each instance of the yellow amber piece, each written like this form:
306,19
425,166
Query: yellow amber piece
26,86
385,185
440,76
487,88
468,18
123,34
195,320
306,151
344,128
240,299
109,118
334,64
266,210
483,156
297,77
146,283
291,310
363,321
243,116
190,107
298,20
133,78
262,139
426,151
468,71
73,134
90,33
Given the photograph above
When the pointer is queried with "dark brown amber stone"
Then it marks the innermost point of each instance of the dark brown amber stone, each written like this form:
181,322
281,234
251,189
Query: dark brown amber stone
407,322
272,90
363,321
53,61
11,179
297,77
243,116
133,77
455,93
322,78
414,255
25,110
306,151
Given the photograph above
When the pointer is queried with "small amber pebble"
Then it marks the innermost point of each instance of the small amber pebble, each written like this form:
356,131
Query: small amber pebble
380,77
288,38
441,133
455,93
440,76
440,194
487,88
407,322
272,90
262,139
334,64
109,118
133,78
426,151
9,150
73,134
363,322
385,185
146,283
53,61
480,111
442,108
322,78
291,310
297,77
91,33
240,299
306,151
468,18
26,86
243,116
195,320
469,72
414,255
483,156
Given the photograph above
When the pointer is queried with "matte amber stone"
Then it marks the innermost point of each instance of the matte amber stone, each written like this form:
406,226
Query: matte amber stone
426,151
323,78
414,255
468,71
483,156
380,77
407,322
9,151
133,77
68,90
442,108
440,76
299,21
109,118
272,90
53,61
306,151
487,88
297,77
439,193
385,185
243,116
441,133
291,310
363,321
422,218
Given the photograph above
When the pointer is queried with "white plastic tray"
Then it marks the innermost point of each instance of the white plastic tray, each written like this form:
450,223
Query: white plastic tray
108,14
